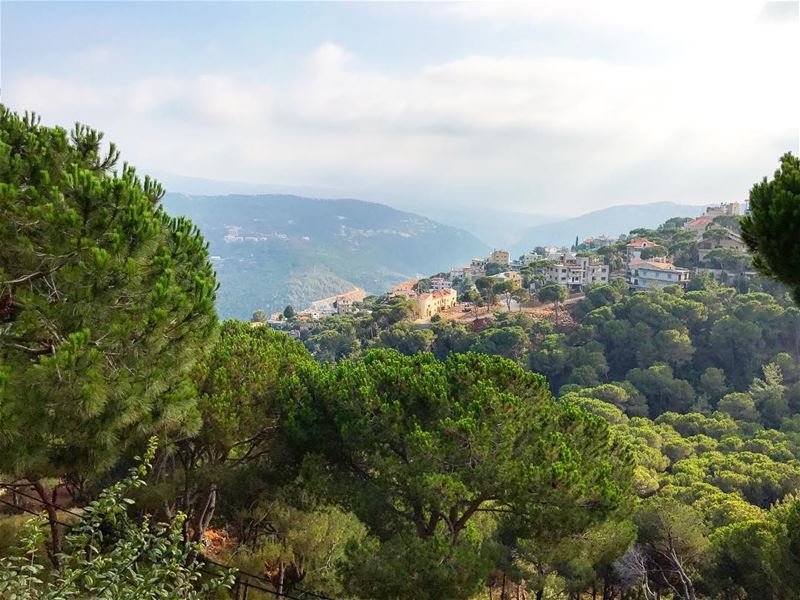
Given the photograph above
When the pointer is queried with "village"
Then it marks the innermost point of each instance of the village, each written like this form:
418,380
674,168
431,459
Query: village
540,279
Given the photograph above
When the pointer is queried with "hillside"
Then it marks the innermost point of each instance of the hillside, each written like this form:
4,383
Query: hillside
612,221
273,250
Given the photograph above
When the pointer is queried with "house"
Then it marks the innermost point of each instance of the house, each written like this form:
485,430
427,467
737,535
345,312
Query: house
726,209
406,290
343,306
530,257
511,276
699,225
576,272
633,249
477,267
716,238
327,307
600,241
432,303
439,283
655,274
500,257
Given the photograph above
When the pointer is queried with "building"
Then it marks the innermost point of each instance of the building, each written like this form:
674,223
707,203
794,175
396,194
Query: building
500,257
511,276
726,209
655,274
330,306
406,290
439,283
633,249
432,303
699,225
600,241
477,267
344,306
576,272
530,257
716,238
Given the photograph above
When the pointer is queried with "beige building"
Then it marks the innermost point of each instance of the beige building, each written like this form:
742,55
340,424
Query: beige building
512,276
726,209
432,303
500,257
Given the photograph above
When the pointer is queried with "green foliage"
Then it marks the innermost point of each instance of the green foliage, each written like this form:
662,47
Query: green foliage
772,228
237,386
417,448
107,555
552,293
106,303
509,342
407,339
293,544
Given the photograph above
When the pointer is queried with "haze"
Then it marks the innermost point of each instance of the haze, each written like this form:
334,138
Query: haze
555,107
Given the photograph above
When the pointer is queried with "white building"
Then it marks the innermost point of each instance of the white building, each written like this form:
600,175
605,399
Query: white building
576,271
655,275
439,283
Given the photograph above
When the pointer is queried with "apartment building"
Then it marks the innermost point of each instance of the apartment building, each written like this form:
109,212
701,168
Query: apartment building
576,272
655,274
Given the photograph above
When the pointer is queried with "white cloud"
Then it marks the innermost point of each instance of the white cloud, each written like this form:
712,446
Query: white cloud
697,126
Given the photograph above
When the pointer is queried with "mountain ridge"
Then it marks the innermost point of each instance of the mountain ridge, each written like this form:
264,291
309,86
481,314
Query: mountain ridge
276,249
612,221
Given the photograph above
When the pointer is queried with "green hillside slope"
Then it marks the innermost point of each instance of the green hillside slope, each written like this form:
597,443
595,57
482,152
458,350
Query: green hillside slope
273,250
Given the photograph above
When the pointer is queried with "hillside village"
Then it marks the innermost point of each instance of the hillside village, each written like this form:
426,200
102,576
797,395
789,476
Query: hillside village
709,245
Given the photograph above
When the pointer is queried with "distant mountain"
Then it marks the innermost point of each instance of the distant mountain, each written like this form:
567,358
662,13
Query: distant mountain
273,250
199,186
612,221
497,227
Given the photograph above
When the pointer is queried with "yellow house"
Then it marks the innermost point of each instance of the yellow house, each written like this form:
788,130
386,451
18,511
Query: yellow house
432,303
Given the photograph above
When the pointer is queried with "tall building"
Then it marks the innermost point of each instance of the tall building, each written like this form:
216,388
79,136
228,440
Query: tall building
500,257
576,272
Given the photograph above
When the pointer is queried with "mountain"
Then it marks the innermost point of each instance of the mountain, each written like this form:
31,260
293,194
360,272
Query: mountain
495,226
199,186
273,250
612,221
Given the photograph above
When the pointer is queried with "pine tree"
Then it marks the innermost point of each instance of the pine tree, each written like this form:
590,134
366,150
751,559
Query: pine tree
772,228
105,304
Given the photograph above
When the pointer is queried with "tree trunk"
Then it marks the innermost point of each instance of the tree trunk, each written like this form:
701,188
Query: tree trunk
203,518
281,579
52,517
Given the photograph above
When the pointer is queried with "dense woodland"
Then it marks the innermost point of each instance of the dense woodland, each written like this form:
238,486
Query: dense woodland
644,446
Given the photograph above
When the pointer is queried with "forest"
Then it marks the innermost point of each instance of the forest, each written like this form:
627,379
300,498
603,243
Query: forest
645,446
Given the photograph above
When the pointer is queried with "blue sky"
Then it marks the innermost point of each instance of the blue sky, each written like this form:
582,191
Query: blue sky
554,107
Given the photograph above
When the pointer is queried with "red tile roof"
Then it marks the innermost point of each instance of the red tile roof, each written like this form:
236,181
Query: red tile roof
641,243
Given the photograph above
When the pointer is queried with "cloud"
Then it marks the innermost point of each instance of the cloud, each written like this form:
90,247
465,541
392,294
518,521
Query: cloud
539,132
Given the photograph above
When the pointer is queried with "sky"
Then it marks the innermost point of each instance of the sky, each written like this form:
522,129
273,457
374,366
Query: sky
556,107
